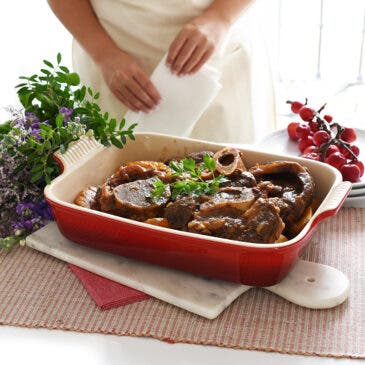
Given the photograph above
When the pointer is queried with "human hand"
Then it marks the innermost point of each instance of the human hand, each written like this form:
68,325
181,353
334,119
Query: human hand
128,82
195,43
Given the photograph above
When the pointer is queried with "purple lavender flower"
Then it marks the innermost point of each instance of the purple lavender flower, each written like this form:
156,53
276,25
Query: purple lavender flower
35,129
18,198
30,116
33,224
22,206
43,209
30,217
20,123
25,209
25,125
67,112
27,225
36,132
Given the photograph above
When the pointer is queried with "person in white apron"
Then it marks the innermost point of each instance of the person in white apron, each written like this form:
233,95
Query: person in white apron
118,43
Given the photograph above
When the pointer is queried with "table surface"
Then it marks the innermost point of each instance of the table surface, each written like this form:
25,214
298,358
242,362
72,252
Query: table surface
39,346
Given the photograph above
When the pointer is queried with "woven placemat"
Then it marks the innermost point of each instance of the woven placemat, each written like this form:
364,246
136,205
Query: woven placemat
37,290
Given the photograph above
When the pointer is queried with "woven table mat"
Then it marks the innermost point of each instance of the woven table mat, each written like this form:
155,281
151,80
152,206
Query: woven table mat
37,290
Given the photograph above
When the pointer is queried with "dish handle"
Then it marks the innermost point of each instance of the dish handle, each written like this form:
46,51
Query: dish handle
76,152
333,202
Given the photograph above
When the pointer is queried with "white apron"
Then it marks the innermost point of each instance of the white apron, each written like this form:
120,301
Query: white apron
244,109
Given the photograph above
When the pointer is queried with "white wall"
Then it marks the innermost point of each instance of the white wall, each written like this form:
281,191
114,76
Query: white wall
29,32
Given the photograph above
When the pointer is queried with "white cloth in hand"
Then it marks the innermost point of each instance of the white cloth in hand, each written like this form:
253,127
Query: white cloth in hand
183,100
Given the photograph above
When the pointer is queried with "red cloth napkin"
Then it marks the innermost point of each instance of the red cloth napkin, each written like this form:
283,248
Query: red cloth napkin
107,293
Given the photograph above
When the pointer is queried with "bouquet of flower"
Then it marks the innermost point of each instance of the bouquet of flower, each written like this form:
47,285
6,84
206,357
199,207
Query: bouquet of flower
56,112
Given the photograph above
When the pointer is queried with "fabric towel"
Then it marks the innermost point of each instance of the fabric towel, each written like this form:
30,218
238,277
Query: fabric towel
183,100
107,293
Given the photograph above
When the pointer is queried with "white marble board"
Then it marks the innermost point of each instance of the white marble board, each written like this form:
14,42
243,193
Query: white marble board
308,284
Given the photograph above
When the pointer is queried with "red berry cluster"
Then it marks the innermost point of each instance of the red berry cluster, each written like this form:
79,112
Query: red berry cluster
320,139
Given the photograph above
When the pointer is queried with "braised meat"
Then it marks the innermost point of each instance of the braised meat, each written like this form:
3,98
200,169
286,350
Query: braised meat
199,156
270,189
131,200
160,222
260,223
180,211
229,201
221,226
257,206
239,214
140,170
297,187
263,222
87,197
240,179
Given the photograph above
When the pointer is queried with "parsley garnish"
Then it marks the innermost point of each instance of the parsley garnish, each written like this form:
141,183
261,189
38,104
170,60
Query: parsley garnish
159,190
190,181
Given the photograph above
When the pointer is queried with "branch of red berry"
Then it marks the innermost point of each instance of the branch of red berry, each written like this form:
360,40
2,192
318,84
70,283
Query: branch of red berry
321,139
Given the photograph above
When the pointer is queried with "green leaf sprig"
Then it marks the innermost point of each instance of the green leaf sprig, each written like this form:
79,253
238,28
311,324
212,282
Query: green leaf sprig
159,190
189,179
45,95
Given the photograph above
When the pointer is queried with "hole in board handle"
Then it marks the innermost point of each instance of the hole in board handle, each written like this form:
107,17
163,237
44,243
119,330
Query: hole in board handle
311,279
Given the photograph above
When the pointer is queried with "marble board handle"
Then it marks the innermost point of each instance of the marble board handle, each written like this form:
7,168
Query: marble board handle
313,285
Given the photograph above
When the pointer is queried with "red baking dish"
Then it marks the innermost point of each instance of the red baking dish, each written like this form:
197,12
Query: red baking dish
87,162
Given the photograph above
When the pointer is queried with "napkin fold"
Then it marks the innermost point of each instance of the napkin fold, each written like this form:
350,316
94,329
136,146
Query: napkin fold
183,100
107,293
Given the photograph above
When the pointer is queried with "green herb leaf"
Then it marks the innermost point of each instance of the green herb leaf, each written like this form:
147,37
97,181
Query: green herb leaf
36,176
112,124
20,85
134,125
59,120
49,64
46,72
44,95
176,167
82,93
159,190
116,142
121,124
190,180
47,179
5,128
36,168
72,79
209,162
188,164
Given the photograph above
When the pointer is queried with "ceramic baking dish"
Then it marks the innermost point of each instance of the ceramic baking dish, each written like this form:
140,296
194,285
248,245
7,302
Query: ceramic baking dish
87,162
